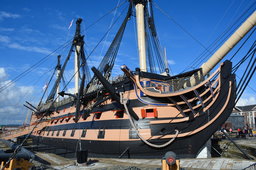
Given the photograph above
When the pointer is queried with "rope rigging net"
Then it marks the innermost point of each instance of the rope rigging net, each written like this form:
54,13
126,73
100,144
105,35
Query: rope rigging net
155,57
107,63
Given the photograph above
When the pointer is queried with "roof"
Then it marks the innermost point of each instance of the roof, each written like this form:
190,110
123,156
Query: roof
235,115
247,108
236,110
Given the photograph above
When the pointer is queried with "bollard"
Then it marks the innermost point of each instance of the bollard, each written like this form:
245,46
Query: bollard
169,161
16,164
81,156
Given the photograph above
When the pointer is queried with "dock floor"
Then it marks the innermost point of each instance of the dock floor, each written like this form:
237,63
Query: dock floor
147,164
68,160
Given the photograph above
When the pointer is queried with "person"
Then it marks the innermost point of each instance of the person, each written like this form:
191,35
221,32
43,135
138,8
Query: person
250,132
245,131
239,132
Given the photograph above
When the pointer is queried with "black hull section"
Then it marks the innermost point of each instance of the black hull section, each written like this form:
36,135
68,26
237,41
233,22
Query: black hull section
131,149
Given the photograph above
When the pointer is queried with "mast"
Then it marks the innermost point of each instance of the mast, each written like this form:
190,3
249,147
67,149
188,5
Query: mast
77,42
58,68
139,6
166,63
76,70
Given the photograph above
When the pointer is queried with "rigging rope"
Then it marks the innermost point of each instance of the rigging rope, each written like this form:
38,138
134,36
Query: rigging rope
103,37
57,82
219,40
37,123
250,68
155,57
156,62
107,63
209,49
21,75
104,44
248,85
34,66
181,27
17,149
247,76
238,64
124,101
243,44
105,15
47,86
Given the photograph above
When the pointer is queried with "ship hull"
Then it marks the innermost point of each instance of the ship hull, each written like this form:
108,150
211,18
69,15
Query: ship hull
194,131
184,147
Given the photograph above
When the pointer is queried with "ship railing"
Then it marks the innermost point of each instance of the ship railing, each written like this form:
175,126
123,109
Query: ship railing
173,86
117,79
183,83
63,102
98,85
47,106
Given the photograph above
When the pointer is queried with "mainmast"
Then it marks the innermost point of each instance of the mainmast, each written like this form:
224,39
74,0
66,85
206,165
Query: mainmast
139,6
58,68
78,40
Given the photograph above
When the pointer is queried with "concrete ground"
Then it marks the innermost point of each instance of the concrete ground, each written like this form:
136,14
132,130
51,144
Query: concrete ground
148,164
231,159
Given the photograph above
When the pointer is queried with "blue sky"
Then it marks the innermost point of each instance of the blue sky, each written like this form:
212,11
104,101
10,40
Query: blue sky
30,30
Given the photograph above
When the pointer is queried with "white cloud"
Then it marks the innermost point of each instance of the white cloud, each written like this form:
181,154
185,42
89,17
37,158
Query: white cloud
12,99
246,101
2,29
94,61
4,15
4,39
29,48
60,15
26,89
71,90
59,27
26,9
2,73
9,109
29,30
171,62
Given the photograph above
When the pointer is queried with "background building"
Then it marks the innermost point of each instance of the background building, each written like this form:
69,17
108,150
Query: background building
242,116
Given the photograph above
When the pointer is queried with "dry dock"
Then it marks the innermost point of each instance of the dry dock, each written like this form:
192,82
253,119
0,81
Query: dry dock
154,164
224,163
